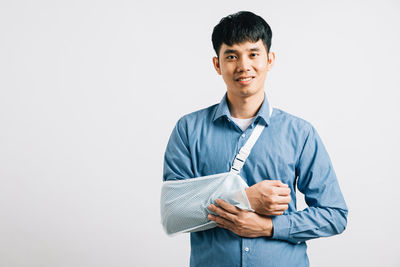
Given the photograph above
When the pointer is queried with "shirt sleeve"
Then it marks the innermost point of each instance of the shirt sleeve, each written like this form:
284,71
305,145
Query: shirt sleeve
177,159
326,214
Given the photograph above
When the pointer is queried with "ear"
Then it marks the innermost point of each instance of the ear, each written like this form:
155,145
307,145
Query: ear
216,65
271,60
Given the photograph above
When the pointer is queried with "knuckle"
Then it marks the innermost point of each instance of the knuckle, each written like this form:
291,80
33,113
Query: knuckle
268,189
267,196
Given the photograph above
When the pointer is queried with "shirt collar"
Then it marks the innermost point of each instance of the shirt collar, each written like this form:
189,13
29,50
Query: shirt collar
223,110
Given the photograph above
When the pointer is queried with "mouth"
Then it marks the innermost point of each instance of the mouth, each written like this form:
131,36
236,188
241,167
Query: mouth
245,80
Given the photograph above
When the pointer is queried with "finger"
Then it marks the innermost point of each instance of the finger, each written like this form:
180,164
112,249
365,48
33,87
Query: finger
224,226
278,183
281,208
283,185
275,213
275,210
221,222
221,212
283,200
282,191
227,206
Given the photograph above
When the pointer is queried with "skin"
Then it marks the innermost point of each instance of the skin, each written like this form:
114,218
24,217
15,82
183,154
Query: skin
245,97
246,59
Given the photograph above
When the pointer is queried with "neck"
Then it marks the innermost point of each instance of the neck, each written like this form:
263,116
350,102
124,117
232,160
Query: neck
244,107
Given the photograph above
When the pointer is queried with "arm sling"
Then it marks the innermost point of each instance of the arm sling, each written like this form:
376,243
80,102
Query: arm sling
184,202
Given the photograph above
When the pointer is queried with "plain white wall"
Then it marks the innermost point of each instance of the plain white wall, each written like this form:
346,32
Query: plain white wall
90,91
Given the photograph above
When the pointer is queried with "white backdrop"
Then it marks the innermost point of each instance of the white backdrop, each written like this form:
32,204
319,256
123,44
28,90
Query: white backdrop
90,92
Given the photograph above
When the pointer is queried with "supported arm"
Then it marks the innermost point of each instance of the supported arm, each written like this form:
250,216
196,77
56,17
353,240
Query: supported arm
184,201
326,214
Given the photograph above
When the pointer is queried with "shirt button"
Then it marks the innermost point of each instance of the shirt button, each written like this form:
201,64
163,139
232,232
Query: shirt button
243,135
246,249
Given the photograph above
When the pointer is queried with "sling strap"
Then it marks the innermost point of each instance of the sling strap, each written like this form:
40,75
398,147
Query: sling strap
244,152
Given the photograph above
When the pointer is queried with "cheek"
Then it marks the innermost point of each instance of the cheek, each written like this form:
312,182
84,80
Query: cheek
262,68
226,74
261,63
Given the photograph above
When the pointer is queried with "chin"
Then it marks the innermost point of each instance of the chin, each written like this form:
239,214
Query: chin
247,92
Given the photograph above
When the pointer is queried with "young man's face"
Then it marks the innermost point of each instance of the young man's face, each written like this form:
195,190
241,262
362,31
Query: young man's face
244,67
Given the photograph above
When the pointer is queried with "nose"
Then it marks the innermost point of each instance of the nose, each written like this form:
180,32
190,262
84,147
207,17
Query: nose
243,64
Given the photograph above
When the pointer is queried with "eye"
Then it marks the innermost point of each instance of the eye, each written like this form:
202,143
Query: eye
231,57
254,54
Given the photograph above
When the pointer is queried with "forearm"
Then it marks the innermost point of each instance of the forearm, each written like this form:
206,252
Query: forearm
313,222
326,214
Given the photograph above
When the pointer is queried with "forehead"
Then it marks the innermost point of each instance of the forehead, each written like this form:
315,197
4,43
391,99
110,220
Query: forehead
243,47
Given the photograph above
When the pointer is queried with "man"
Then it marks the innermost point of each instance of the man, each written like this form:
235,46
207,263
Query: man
289,152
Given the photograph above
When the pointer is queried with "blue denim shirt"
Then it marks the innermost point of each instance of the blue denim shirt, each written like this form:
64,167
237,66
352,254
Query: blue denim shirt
206,142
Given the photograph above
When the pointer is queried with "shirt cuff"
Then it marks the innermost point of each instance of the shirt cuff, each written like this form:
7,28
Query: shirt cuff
281,226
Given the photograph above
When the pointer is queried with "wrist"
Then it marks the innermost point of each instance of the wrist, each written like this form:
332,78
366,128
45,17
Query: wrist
269,227
250,197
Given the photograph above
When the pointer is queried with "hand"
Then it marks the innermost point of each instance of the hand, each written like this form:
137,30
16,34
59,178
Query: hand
241,222
269,197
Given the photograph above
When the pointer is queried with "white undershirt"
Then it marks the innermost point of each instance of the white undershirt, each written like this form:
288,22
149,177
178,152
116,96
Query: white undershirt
243,123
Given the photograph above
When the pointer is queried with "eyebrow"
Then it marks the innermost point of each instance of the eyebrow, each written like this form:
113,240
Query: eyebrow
233,51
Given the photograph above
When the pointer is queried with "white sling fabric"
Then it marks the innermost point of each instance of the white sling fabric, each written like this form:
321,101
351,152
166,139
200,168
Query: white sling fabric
184,202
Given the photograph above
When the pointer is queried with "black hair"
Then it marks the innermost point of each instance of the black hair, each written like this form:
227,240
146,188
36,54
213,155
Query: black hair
240,27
